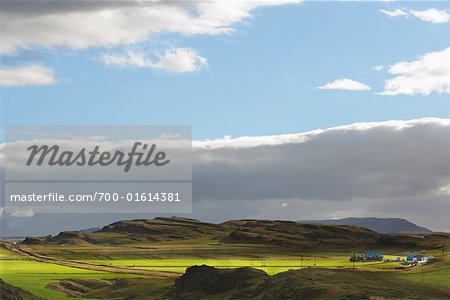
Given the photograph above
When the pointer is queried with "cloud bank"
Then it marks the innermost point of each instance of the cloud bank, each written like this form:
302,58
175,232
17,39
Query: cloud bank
366,160
391,168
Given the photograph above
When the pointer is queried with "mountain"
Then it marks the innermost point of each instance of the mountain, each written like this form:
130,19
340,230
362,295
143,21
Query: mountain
305,235
136,231
287,234
380,225
263,232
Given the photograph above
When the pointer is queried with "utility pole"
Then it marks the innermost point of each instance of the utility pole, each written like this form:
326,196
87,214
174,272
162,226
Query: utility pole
422,273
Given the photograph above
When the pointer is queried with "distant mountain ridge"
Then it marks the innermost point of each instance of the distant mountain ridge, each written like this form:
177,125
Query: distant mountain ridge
267,232
380,225
274,233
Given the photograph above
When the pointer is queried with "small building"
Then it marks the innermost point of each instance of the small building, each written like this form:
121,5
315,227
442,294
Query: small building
373,255
411,258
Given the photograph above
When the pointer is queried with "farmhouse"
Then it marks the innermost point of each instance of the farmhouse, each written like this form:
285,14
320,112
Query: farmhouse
369,255
414,257
373,255
418,259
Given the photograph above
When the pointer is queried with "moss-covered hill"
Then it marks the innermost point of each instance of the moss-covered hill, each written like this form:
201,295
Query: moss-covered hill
204,282
10,292
265,232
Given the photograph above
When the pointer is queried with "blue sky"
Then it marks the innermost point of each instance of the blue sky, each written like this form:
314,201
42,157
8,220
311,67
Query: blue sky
260,79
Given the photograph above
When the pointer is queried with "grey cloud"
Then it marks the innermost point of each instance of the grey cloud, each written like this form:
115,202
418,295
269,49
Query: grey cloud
378,161
113,23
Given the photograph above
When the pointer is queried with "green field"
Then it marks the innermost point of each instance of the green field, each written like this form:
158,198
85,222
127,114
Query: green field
134,262
271,265
34,276
437,278
435,274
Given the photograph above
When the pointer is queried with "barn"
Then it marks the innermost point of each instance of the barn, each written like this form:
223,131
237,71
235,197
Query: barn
373,255
414,257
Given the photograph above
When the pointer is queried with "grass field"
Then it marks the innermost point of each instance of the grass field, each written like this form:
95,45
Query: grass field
436,273
439,278
34,276
271,265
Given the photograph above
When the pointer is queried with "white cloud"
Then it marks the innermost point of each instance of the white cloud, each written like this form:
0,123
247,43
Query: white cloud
84,24
179,60
432,15
22,213
345,84
378,68
25,76
429,73
429,15
394,13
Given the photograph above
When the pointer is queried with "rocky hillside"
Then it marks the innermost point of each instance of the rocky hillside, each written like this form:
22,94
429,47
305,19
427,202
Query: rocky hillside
204,282
287,234
10,292
277,233
137,231
380,225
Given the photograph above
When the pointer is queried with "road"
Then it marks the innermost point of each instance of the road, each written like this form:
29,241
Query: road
92,266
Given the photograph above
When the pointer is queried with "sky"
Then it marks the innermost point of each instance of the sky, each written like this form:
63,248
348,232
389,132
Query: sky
242,69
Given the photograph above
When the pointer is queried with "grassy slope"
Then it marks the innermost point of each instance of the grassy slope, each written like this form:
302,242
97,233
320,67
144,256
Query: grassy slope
8,291
436,273
135,288
34,276
150,236
275,233
299,284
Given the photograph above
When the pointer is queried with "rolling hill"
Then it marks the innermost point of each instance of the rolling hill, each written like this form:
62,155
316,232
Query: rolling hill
270,232
288,233
380,225
205,282
10,292
275,233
